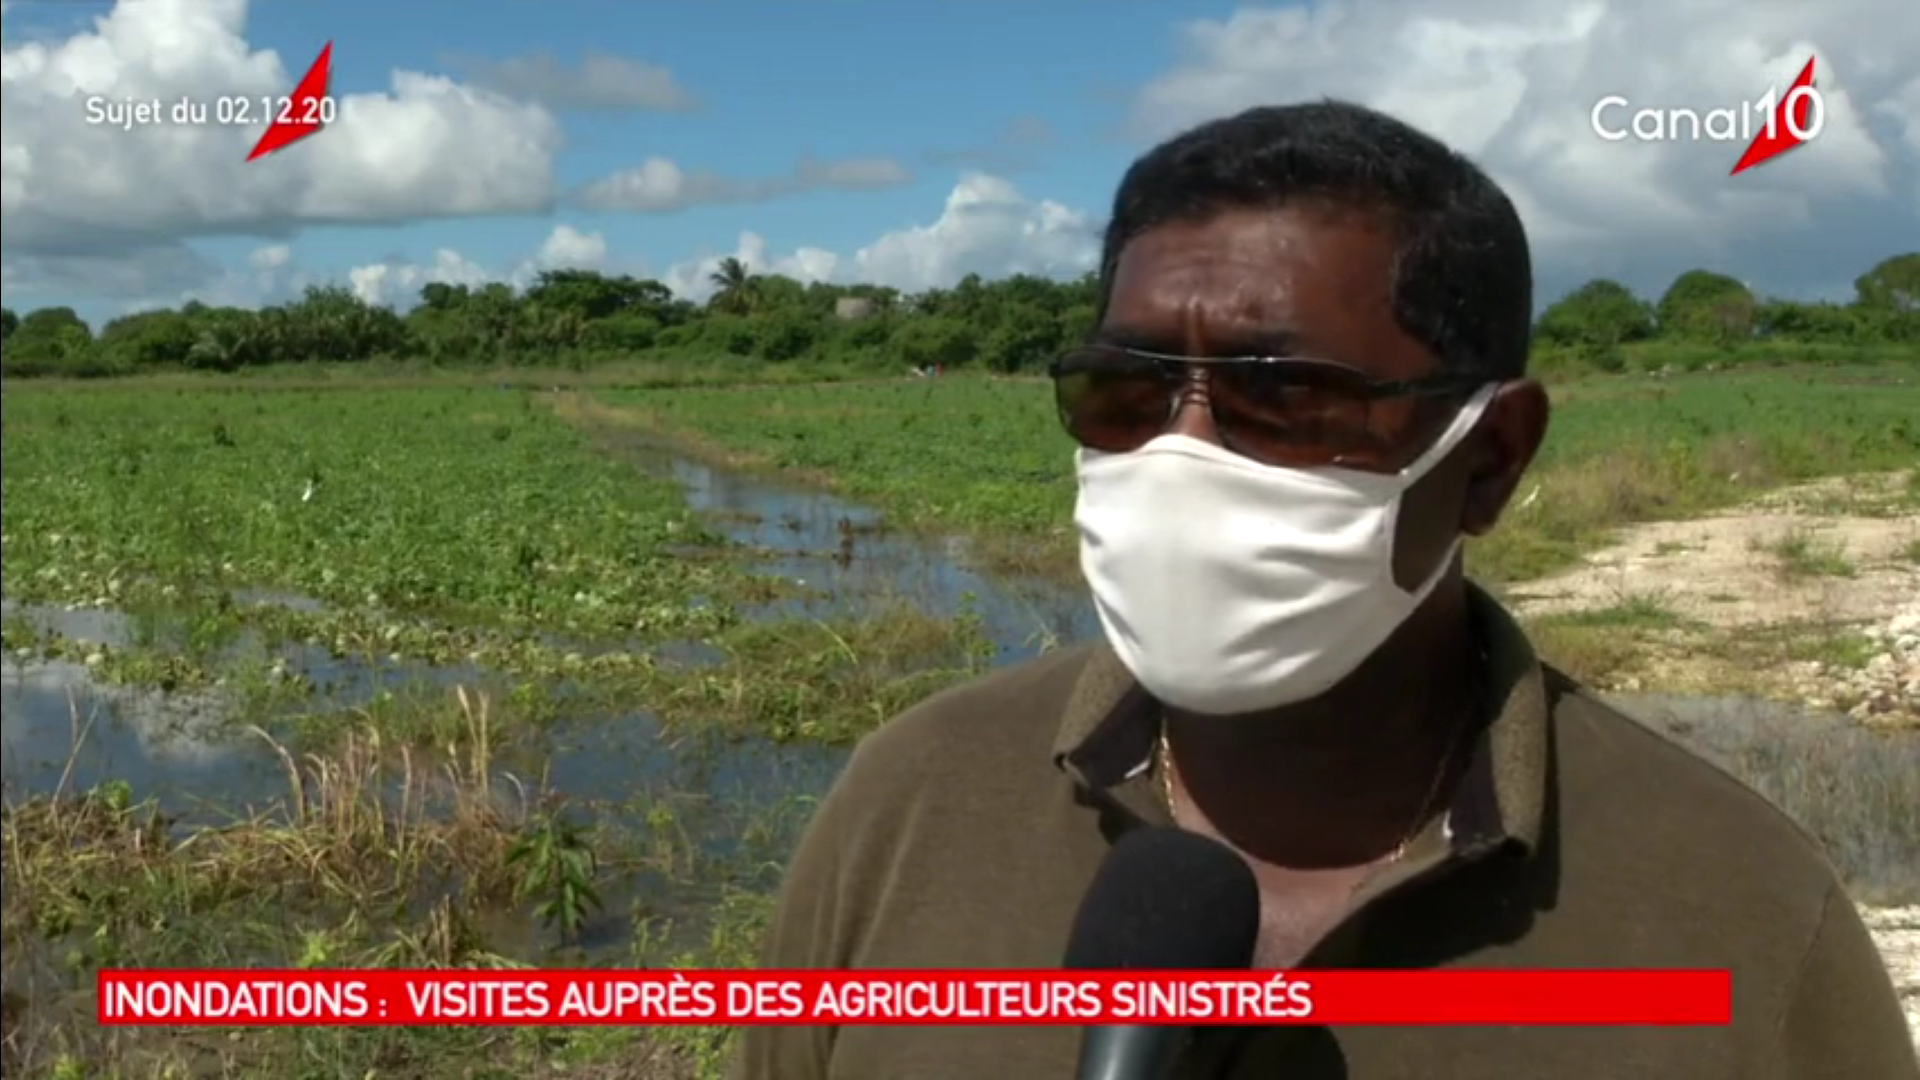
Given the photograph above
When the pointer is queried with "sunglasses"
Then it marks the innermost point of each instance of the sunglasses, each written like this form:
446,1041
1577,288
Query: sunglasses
1283,411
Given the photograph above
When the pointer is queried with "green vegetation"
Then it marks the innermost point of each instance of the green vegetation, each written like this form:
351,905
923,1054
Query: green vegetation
1801,553
987,456
517,700
1602,326
979,456
419,607
762,327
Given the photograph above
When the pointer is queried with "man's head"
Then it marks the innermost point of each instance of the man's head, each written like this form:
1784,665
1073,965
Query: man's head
1461,277
1390,279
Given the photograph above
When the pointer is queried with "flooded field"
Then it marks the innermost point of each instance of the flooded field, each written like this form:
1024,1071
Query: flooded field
447,680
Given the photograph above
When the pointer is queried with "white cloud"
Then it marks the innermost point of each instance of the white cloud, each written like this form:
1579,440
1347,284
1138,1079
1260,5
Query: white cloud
567,248
692,278
69,190
397,281
600,81
987,227
658,185
1513,86
271,257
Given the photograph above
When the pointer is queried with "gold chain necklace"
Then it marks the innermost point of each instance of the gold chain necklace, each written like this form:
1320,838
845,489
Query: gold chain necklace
1413,828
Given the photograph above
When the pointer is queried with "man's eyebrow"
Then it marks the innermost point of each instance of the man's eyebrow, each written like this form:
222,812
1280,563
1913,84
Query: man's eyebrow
1275,341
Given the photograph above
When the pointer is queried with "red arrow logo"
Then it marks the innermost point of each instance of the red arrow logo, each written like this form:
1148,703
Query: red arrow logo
1788,127
309,109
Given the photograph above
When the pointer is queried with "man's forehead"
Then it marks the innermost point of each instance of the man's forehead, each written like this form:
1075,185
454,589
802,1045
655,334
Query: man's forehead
1248,282
1246,258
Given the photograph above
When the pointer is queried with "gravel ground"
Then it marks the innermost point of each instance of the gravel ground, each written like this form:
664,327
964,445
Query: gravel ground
1898,932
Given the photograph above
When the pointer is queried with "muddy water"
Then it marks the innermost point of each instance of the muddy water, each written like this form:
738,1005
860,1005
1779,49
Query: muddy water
844,558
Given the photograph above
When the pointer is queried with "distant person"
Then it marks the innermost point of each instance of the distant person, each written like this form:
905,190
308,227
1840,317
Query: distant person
1307,385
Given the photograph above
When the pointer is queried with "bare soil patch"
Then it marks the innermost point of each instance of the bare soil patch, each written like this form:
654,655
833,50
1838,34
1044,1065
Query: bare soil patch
1782,560
1811,595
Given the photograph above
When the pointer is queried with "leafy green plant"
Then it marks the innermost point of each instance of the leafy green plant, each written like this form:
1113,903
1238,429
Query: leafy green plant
557,867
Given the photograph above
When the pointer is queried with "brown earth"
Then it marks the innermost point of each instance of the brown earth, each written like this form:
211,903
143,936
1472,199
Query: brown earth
1812,595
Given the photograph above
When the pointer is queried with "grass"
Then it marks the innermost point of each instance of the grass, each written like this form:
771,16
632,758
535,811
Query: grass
438,527
373,859
369,861
318,563
412,596
463,507
986,457
1802,553
1596,644
979,456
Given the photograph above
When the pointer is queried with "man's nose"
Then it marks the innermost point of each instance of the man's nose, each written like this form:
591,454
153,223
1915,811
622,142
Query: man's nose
1193,417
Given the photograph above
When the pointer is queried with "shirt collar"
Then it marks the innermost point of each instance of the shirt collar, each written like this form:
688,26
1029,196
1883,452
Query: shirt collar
1107,737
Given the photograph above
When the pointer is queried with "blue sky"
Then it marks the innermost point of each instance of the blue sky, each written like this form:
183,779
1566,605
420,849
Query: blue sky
1050,100
852,79
932,85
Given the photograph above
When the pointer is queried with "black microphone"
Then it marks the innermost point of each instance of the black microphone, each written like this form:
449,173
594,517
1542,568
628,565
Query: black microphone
1164,899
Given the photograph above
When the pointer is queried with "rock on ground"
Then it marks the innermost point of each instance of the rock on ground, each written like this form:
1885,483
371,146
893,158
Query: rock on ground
1897,930
1888,685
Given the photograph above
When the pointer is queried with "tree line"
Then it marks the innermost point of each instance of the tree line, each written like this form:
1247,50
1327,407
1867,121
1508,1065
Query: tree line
578,318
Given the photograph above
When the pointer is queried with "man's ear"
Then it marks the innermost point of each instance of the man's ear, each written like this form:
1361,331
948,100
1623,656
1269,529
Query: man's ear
1509,437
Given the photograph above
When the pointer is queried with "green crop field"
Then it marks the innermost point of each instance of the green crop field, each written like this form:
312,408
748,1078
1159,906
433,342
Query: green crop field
989,456
421,673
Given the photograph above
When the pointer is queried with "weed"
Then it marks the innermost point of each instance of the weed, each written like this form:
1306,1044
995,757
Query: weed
1834,648
558,866
1801,553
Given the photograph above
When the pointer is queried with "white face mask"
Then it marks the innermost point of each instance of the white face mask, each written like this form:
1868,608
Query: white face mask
1227,586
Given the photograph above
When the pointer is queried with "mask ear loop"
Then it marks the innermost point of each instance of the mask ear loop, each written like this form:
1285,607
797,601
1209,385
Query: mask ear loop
1456,432
1463,424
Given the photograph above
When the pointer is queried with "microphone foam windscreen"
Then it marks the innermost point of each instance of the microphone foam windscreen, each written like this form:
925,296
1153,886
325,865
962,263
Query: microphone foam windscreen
1167,899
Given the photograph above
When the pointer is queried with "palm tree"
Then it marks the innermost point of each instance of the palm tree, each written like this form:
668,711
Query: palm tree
733,286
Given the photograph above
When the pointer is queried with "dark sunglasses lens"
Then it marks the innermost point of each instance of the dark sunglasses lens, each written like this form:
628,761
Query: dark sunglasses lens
1112,407
1296,414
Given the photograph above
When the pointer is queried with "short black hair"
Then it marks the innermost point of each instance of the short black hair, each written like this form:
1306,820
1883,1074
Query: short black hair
1463,276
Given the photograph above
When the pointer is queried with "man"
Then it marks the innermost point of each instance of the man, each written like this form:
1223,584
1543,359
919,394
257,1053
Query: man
1295,665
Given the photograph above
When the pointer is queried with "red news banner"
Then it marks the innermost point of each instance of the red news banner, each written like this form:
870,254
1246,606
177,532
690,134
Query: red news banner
565,998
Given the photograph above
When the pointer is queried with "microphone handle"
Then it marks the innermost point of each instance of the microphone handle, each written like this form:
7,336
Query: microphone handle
1131,1052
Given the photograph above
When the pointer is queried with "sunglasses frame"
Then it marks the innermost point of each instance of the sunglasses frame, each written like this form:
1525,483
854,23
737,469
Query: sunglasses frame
1173,368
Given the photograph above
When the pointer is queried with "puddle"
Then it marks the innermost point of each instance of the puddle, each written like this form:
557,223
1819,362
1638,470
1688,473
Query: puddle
843,556
64,732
